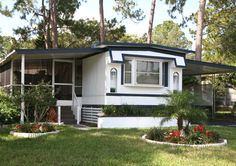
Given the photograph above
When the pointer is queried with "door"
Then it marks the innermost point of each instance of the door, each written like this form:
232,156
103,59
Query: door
63,81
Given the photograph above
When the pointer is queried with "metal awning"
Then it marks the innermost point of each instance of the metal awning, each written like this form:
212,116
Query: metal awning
202,68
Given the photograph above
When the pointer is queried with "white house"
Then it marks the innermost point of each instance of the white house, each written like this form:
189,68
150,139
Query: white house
109,74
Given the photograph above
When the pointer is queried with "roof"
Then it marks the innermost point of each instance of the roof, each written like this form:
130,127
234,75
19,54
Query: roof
203,68
57,53
85,52
144,47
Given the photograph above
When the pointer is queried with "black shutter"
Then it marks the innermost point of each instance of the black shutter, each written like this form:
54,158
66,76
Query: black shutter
165,71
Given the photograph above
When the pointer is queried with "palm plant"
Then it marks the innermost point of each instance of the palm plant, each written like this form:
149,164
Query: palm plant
180,106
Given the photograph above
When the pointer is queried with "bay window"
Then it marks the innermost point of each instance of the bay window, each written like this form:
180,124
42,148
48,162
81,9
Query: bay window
145,72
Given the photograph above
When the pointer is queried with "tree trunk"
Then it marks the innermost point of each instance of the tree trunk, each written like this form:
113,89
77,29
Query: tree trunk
101,27
53,13
200,27
180,123
45,26
152,12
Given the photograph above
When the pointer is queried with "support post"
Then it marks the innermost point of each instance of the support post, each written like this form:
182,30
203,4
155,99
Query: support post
213,98
78,112
11,78
59,114
22,88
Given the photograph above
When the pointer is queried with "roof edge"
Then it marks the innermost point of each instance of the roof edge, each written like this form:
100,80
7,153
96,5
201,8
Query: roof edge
143,45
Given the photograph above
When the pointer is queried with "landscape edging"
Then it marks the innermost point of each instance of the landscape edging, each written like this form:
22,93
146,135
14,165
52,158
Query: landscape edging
224,142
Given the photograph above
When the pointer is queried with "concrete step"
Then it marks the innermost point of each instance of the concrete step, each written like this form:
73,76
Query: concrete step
67,116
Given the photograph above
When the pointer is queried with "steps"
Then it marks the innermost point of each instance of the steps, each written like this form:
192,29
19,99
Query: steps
67,115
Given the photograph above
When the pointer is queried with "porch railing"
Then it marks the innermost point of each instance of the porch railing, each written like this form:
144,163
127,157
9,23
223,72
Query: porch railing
76,107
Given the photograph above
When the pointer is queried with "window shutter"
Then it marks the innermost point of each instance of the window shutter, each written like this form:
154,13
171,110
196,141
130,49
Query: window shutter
165,71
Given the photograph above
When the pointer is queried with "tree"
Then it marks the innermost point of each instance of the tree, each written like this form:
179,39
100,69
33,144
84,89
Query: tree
84,33
41,16
177,5
101,26
219,44
53,19
200,27
151,18
170,34
181,107
127,8
5,11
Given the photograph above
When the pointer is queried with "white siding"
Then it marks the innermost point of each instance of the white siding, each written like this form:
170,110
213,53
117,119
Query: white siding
93,91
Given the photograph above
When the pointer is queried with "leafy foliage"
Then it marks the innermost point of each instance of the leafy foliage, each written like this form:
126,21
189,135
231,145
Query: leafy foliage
38,100
157,134
170,34
198,135
181,107
129,110
8,109
34,128
128,10
220,21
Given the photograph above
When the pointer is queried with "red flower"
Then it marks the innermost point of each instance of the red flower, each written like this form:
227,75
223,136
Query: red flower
199,128
19,126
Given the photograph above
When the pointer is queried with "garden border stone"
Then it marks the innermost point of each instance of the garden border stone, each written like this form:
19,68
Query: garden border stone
32,135
222,143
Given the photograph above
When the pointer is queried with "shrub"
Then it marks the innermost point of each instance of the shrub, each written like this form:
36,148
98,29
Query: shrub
130,110
34,128
198,135
181,108
213,136
157,134
8,109
38,100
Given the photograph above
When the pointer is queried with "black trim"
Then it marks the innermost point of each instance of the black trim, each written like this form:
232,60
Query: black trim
137,95
122,74
61,51
165,74
111,57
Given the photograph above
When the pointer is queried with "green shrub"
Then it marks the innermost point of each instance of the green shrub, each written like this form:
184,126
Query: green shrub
38,100
8,109
157,134
130,110
213,136
34,128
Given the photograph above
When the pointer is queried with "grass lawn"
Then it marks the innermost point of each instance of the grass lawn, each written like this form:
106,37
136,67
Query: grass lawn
109,147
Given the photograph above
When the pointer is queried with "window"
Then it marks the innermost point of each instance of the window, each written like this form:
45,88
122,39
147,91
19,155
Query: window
142,72
128,72
113,80
147,72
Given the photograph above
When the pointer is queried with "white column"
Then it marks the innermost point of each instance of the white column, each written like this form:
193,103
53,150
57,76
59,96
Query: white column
59,114
22,88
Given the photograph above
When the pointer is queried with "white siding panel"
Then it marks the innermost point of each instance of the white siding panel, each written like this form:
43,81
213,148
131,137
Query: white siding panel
94,77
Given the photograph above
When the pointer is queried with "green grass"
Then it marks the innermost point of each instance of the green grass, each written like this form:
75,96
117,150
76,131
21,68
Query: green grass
109,147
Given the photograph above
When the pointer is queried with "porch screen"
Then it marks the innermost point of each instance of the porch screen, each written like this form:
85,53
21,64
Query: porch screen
5,72
78,77
36,70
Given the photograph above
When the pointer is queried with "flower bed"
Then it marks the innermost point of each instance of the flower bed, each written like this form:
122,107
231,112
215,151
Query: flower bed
197,137
33,130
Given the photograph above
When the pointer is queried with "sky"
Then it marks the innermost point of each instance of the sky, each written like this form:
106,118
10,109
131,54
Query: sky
90,9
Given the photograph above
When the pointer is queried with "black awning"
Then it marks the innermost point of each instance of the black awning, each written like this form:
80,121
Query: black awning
202,68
